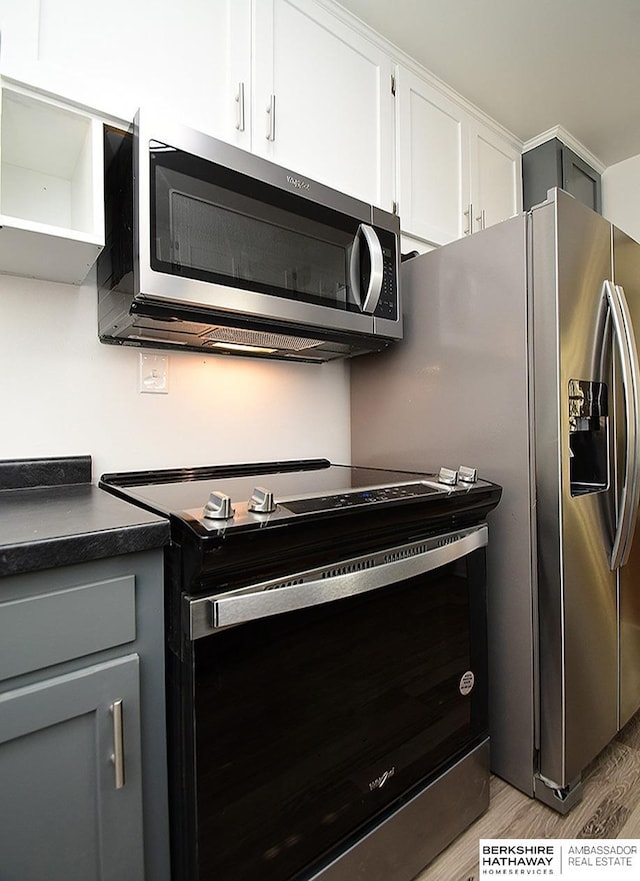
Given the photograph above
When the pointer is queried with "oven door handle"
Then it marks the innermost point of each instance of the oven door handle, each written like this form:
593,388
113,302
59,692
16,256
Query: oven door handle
348,578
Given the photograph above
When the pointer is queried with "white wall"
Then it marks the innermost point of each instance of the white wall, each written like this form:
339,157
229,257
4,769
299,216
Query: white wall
65,393
621,195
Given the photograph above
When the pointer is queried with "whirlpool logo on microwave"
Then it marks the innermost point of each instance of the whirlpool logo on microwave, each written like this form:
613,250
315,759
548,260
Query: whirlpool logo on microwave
298,183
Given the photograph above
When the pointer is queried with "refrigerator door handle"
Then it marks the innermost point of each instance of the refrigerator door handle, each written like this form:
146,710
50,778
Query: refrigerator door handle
632,442
625,343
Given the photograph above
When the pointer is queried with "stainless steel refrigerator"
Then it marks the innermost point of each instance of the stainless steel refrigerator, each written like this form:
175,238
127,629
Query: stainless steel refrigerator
519,359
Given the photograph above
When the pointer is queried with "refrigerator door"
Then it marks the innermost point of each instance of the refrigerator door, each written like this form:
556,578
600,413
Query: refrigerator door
456,392
576,497
507,366
626,256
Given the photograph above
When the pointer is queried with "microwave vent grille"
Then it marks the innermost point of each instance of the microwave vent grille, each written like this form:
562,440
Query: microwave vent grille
263,339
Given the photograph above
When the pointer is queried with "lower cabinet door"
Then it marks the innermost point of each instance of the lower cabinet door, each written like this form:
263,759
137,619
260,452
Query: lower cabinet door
70,782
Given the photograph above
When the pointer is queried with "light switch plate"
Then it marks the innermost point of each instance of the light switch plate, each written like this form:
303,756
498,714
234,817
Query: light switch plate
153,376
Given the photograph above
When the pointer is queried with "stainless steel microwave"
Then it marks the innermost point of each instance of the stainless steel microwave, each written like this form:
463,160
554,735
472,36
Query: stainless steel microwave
211,248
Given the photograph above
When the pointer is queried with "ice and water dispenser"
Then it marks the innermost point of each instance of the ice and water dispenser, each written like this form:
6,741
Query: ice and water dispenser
588,436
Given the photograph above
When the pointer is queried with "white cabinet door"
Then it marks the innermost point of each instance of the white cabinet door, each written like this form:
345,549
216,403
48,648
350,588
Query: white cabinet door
186,59
433,161
232,102
496,176
322,102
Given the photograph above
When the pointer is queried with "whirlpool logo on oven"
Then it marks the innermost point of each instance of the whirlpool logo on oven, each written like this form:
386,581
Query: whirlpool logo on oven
379,782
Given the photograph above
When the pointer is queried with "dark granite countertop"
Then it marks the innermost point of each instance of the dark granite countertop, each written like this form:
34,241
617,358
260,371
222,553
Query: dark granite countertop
52,515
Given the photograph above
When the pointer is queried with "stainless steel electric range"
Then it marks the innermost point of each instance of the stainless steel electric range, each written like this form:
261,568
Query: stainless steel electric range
326,666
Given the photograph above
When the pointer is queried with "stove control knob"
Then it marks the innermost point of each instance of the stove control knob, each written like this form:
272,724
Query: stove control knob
467,475
448,476
261,502
218,507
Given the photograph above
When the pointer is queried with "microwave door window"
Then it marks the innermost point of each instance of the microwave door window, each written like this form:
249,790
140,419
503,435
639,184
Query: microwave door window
209,232
216,240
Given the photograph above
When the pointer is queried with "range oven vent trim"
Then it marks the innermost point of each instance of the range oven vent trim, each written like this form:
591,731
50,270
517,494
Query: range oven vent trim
292,582
404,553
363,563
356,566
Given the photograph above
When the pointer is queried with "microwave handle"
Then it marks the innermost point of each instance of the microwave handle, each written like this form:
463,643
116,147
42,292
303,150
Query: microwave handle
374,288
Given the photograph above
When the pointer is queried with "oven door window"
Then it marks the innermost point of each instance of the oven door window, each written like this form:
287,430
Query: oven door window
216,225
313,724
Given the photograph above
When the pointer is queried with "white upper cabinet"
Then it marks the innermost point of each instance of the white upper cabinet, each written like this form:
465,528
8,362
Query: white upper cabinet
286,79
299,82
496,176
180,58
433,161
455,173
233,119
51,188
322,99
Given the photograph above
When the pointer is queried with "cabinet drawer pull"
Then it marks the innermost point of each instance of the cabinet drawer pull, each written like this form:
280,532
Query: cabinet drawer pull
117,757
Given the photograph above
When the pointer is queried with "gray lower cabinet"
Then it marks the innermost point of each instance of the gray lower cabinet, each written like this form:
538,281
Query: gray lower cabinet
82,732
64,811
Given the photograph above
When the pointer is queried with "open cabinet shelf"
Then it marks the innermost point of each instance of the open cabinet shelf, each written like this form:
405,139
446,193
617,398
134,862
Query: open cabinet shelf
51,188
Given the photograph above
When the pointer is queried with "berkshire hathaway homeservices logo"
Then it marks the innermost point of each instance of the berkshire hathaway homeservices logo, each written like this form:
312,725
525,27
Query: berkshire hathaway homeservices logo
614,859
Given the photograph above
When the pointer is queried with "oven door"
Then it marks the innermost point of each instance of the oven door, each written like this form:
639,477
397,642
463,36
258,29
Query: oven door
315,706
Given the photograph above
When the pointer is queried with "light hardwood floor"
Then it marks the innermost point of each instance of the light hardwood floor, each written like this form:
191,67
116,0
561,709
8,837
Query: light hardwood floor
610,808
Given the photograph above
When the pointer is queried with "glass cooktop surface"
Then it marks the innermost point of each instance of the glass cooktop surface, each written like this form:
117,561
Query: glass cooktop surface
174,491
253,496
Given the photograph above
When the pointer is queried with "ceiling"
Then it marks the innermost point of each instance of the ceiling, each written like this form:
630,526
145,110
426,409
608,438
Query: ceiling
530,64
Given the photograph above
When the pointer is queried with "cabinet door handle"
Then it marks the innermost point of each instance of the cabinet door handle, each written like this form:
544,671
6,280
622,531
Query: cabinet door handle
116,710
271,119
240,107
469,215
482,219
